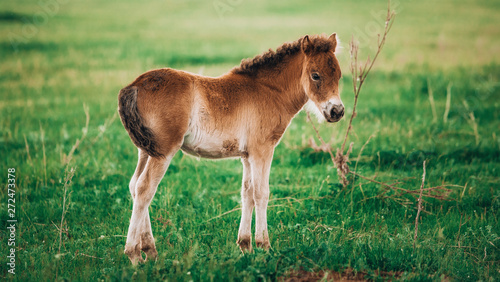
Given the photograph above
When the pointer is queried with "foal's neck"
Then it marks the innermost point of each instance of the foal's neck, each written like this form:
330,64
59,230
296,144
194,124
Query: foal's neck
285,80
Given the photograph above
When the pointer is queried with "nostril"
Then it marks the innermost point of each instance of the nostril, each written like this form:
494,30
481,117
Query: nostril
337,111
333,112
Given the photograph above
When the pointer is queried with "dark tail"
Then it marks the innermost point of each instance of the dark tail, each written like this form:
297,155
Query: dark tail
141,135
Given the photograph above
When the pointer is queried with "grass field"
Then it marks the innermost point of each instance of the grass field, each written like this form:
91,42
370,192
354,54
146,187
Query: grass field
57,59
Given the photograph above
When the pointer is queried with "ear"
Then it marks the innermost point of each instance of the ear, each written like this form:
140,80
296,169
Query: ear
333,40
306,45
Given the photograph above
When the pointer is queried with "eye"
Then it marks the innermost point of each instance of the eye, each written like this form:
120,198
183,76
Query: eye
315,76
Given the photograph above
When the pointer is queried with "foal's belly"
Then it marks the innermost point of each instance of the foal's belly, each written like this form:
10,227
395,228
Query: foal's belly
213,147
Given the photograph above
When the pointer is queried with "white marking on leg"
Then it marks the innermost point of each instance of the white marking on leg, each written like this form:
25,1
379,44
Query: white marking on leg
260,178
247,204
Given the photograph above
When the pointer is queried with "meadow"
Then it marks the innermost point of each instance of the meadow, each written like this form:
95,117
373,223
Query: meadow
63,62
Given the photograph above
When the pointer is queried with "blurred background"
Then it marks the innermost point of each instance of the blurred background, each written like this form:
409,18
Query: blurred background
218,34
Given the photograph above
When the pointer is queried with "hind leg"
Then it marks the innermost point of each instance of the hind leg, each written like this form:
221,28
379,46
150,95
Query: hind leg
139,235
146,240
141,164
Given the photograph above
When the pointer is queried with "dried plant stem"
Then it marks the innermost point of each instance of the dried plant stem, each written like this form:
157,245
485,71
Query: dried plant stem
431,101
443,192
354,71
322,147
28,150
288,199
459,228
68,157
67,183
472,121
42,136
361,151
104,127
419,208
237,209
359,73
448,103
473,124
82,254
69,173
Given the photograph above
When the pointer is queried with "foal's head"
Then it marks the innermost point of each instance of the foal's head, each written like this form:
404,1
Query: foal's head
321,75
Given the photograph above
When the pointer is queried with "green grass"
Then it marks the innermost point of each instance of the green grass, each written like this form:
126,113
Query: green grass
87,51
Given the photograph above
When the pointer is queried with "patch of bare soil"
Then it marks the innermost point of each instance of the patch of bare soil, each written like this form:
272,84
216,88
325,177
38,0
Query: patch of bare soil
347,275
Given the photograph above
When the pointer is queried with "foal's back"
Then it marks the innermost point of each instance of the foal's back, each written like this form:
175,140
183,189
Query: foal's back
205,116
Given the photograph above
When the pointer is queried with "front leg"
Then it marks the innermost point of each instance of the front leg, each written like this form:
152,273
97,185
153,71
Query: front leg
247,204
261,166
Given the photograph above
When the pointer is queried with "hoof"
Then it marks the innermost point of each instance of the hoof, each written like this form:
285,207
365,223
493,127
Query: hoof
134,254
263,245
148,246
245,245
151,253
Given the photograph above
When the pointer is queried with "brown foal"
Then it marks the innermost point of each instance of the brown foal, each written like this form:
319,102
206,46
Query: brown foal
242,114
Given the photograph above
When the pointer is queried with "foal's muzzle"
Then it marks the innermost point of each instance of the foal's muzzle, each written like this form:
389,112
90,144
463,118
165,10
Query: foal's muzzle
334,113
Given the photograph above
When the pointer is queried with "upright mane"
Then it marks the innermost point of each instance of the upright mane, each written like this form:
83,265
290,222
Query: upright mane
271,58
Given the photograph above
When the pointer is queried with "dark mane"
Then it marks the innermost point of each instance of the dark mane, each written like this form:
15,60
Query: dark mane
271,58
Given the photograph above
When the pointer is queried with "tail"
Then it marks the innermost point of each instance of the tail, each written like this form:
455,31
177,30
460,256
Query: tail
141,135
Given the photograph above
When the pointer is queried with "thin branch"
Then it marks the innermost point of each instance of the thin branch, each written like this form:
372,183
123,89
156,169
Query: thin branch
237,209
272,206
439,189
323,144
28,150
82,254
42,136
361,151
104,127
223,214
419,208
431,101
472,121
448,103
358,78
67,183
67,158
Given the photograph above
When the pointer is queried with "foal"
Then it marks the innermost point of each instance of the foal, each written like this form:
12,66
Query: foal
242,113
